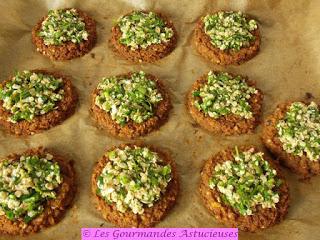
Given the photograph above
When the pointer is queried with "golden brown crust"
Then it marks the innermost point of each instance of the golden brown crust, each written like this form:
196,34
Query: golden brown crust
67,50
150,54
229,124
262,218
54,209
203,45
151,215
65,108
131,129
300,165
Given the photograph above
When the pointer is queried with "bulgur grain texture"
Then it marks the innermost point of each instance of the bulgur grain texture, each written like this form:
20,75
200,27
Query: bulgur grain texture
203,45
54,209
131,129
149,54
261,218
230,124
67,50
302,166
151,215
65,108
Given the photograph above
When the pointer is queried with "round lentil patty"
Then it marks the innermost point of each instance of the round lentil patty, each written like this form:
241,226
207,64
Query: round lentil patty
64,34
223,103
44,188
135,185
227,37
130,105
36,100
141,36
292,134
232,191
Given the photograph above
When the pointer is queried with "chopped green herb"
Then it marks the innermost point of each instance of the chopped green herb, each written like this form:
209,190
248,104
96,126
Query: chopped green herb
63,25
26,185
128,98
31,94
140,30
224,94
133,178
299,130
246,181
229,30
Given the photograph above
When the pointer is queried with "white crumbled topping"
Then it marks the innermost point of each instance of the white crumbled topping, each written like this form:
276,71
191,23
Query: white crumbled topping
299,130
224,94
246,182
133,178
63,25
128,98
30,94
229,30
140,30
26,184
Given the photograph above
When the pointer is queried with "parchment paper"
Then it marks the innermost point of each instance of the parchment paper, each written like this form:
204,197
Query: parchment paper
286,68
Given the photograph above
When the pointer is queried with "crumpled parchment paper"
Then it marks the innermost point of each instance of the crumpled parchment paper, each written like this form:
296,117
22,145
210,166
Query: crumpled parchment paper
287,67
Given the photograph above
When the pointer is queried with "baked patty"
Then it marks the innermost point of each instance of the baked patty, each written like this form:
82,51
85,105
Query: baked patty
149,54
261,218
151,215
67,50
301,165
131,129
203,45
65,108
230,124
54,209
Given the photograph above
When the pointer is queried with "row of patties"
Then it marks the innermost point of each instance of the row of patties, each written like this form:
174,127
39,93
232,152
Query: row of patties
136,185
223,37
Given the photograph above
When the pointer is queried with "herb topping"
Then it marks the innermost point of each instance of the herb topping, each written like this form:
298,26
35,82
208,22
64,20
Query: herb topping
224,94
128,98
63,25
246,181
299,130
31,94
229,30
140,30
133,178
26,185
